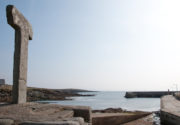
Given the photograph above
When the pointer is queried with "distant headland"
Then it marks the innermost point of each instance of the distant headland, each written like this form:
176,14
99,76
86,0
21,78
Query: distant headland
41,94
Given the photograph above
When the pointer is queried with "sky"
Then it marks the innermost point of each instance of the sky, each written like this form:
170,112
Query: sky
108,45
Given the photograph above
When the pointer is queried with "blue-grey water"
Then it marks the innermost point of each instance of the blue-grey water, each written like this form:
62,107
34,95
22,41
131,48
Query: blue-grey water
103,100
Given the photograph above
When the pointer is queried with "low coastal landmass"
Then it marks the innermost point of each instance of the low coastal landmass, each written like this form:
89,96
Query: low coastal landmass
41,94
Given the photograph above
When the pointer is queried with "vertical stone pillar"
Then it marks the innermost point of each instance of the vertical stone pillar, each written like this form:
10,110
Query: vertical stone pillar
23,33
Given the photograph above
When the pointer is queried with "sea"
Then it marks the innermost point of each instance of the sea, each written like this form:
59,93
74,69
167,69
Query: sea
112,99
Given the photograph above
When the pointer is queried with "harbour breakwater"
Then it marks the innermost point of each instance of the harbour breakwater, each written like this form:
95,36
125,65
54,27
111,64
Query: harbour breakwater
148,94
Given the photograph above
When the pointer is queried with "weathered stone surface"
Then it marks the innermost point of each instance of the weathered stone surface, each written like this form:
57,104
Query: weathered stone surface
35,112
2,81
148,120
114,118
81,111
23,33
41,113
51,123
66,121
6,122
77,119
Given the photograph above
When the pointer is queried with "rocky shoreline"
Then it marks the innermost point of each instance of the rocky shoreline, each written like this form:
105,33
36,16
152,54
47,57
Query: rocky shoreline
55,114
41,94
113,115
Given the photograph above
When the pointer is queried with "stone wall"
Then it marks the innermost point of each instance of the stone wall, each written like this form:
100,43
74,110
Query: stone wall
169,118
170,111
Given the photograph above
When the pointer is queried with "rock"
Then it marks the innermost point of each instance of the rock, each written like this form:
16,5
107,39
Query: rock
114,118
51,123
77,119
37,94
81,111
148,120
6,122
110,110
37,114
67,121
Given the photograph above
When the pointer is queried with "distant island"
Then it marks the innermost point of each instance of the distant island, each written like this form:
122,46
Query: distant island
42,94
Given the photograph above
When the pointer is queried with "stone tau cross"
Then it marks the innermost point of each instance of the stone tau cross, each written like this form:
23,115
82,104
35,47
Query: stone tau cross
23,33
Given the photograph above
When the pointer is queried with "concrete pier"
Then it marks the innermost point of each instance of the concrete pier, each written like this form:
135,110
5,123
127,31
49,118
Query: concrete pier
148,94
170,110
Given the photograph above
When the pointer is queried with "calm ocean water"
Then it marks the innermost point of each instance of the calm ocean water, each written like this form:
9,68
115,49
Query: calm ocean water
103,100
